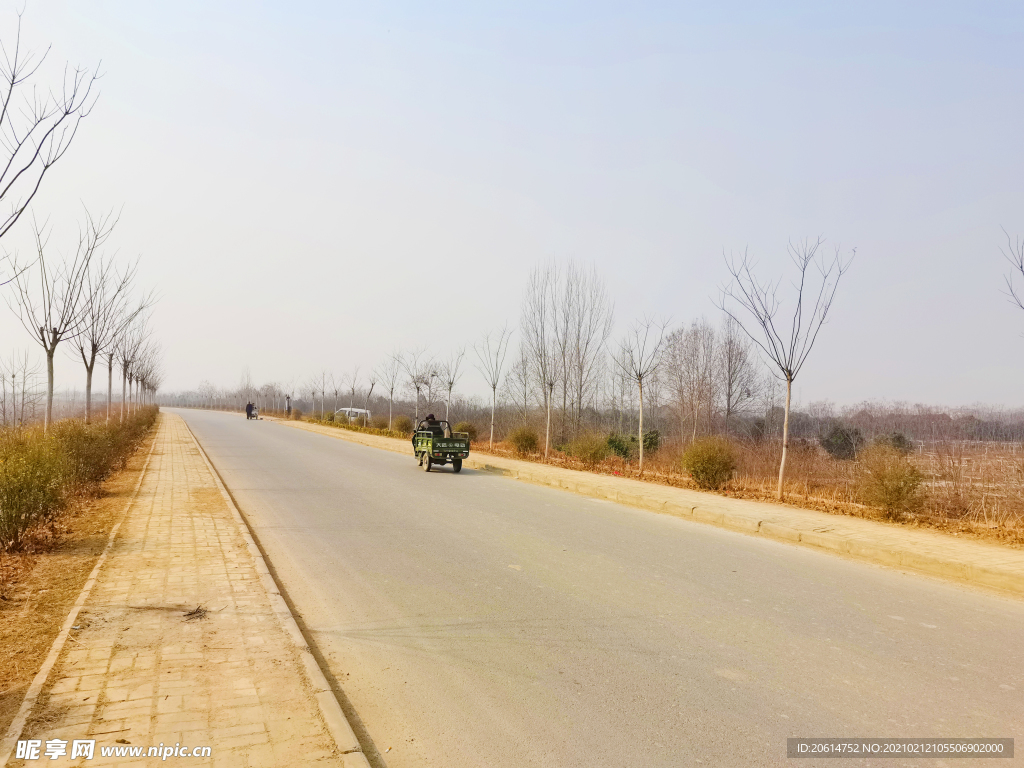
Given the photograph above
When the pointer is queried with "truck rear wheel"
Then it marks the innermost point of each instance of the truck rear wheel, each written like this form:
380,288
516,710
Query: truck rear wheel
426,462
457,465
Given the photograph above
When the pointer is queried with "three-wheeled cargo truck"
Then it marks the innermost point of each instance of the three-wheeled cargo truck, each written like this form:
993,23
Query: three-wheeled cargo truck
435,444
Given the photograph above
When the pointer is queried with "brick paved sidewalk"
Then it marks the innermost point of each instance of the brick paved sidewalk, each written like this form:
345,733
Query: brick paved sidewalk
137,672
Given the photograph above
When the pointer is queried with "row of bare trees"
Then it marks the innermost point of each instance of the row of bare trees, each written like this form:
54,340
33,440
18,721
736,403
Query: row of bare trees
567,371
565,325
84,299
80,297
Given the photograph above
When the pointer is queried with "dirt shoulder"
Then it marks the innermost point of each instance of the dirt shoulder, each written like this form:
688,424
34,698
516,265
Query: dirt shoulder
39,588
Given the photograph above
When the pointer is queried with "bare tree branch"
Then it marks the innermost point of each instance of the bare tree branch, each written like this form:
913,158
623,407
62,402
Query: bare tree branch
1014,254
640,356
36,135
388,373
490,354
754,304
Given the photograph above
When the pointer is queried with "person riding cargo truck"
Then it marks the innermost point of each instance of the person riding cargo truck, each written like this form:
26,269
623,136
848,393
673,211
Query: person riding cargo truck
435,444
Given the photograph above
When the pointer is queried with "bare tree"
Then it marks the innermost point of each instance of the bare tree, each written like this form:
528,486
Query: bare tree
639,358
147,374
739,371
417,369
53,311
517,384
23,374
540,336
323,382
127,349
759,303
369,393
246,386
37,123
136,358
143,370
106,314
388,373
693,355
335,387
490,354
352,380
583,326
311,387
450,372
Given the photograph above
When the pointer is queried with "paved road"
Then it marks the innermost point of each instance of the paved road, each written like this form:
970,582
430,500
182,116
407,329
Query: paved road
474,620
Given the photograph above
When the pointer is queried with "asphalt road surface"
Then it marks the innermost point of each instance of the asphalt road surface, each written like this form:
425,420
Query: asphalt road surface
473,620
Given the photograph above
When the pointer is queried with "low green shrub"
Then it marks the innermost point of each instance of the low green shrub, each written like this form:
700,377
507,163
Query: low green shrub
468,427
379,422
627,446
652,441
524,441
402,424
590,449
330,417
897,441
621,446
296,414
890,482
842,442
710,462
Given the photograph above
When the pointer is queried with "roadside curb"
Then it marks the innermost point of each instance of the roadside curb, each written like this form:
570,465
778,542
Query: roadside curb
338,726
1005,573
39,681
991,577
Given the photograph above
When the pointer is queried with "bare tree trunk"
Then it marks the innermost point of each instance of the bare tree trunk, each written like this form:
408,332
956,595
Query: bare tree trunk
785,439
110,383
124,384
494,398
88,391
391,401
49,389
641,428
547,429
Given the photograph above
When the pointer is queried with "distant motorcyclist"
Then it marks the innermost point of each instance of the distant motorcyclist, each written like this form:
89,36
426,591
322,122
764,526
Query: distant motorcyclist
248,410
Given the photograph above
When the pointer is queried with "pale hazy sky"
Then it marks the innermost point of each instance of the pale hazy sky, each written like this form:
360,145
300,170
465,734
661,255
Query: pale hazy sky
296,176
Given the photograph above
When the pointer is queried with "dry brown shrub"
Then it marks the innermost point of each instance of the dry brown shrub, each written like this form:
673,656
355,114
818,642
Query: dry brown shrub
890,482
